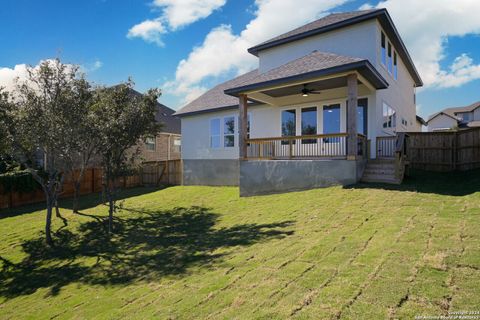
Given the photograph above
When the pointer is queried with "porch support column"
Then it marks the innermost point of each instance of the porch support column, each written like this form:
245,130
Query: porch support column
243,118
352,145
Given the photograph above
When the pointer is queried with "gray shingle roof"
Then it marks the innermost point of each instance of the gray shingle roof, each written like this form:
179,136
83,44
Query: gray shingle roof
452,112
164,115
215,98
315,61
223,95
320,23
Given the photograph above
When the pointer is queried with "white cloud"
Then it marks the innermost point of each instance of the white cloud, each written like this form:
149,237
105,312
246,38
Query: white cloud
179,13
425,27
224,52
8,76
148,30
175,14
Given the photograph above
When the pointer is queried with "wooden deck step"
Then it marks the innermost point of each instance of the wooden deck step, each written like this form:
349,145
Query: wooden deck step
380,171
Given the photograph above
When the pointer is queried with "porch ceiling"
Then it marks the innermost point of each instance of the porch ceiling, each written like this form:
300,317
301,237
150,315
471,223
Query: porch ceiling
315,85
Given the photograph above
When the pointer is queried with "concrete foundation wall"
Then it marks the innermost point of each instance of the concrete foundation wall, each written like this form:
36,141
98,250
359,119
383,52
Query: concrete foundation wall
276,176
211,172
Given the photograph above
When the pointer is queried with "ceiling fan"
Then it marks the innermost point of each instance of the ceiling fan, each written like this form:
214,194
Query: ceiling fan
306,91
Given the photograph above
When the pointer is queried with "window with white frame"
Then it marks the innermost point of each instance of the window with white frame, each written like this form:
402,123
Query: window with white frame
465,116
395,66
390,60
384,49
177,144
229,132
215,133
150,143
389,116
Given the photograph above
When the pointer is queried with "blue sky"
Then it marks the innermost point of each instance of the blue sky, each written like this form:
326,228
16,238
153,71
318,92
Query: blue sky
101,36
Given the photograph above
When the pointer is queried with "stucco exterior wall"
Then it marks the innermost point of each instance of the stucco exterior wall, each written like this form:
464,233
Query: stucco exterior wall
353,41
441,122
265,122
211,172
476,114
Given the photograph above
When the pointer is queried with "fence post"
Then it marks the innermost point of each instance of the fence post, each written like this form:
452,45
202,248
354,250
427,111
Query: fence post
454,151
92,185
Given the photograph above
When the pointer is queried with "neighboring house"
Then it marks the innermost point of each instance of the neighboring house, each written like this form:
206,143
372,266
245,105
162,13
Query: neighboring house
167,144
455,118
344,74
420,123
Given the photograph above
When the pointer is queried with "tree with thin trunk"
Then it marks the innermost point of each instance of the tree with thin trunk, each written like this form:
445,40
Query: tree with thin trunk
123,119
82,139
39,125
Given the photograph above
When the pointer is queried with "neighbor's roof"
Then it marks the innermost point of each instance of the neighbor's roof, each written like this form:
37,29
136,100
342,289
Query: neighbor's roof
421,120
165,116
315,64
452,112
215,98
473,124
340,20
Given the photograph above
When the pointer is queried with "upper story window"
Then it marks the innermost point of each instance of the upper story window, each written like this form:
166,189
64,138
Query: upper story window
150,143
465,116
177,144
389,62
395,66
384,49
389,116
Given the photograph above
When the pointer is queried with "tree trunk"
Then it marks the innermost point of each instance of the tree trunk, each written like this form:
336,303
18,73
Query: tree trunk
110,210
76,192
57,210
48,221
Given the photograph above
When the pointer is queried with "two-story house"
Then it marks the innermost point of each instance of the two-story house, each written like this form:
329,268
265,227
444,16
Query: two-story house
455,118
303,117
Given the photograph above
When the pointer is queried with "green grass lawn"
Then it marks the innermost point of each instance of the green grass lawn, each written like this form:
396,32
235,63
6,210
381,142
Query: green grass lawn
363,252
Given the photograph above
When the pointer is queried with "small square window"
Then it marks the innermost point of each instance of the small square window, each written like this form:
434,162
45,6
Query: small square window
150,143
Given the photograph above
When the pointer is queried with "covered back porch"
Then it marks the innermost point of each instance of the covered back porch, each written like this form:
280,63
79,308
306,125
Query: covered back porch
305,153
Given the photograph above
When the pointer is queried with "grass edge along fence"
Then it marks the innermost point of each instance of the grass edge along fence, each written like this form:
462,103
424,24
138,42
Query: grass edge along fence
162,172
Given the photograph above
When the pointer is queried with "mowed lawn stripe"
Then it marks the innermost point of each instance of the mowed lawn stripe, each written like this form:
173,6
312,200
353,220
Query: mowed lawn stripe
362,252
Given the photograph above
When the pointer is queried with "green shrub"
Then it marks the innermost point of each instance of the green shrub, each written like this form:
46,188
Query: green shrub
18,181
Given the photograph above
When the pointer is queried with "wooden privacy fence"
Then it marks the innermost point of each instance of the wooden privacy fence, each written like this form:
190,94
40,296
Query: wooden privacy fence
444,151
92,183
162,172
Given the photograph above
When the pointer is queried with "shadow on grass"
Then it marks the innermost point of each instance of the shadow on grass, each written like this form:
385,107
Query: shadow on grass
148,246
442,183
86,202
